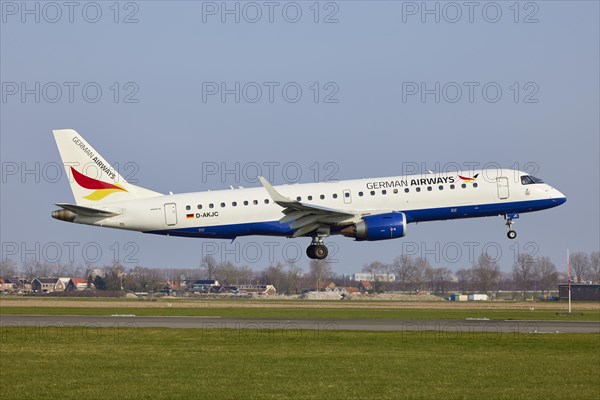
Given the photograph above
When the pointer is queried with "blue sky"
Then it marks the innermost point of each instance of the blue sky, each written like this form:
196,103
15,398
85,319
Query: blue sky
504,85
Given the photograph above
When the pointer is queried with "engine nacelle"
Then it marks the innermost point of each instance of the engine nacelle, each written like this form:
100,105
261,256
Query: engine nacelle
378,227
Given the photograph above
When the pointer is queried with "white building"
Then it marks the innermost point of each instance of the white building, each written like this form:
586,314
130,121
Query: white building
373,277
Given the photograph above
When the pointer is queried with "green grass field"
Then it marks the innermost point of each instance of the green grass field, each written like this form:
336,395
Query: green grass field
310,312
128,363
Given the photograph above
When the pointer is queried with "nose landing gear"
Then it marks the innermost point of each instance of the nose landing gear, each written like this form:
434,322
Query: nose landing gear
511,234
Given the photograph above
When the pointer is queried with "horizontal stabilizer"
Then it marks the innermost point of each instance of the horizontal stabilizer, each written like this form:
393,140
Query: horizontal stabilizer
89,211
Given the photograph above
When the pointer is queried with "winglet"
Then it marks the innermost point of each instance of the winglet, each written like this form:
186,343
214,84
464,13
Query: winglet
275,195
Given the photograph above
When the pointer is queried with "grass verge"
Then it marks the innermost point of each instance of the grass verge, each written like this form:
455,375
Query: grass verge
76,363
310,312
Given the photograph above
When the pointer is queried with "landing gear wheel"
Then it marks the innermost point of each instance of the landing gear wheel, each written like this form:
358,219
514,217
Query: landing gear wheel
511,234
320,251
310,251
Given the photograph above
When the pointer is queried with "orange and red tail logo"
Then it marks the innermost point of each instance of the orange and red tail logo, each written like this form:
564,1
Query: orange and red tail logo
100,189
467,179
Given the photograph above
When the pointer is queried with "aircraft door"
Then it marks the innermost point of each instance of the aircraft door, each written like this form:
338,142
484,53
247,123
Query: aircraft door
347,196
170,214
503,192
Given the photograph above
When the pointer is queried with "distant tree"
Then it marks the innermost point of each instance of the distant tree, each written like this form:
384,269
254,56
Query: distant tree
228,272
8,268
580,266
403,268
320,270
419,267
486,273
439,279
209,267
523,272
114,277
295,274
99,283
595,266
277,276
375,269
464,277
545,273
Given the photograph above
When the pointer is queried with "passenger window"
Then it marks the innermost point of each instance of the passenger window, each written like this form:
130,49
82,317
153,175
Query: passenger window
322,197
335,195
429,188
372,193
384,191
360,194
475,184
222,205
463,186
406,190
199,206
188,207
234,203
418,189
211,205
266,201
395,191
245,202
299,198
310,197
255,202
452,186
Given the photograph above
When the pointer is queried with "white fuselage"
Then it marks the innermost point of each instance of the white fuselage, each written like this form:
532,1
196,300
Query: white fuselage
251,211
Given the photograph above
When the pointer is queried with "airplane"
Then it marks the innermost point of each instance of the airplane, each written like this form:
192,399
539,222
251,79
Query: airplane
363,209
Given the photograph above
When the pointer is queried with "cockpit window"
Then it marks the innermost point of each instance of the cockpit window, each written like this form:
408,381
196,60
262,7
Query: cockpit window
530,180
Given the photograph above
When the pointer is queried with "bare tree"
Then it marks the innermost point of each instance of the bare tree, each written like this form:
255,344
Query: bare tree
277,276
375,269
580,265
465,279
319,271
295,273
209,266
8,268
439,279
595,266
546,275
403,268
486,273
228,272
420,266
523,272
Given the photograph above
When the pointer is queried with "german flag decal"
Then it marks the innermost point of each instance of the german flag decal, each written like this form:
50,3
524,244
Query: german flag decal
100,189
467,179
189,216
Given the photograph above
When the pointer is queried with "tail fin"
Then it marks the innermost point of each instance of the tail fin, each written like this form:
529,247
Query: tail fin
92,179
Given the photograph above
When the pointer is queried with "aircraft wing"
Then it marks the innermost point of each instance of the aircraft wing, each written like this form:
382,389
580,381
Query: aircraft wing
304,217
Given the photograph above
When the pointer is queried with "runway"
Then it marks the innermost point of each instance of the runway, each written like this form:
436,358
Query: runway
447,326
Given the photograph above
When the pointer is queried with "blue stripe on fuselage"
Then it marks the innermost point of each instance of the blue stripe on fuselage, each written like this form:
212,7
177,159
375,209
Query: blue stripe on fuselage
274,228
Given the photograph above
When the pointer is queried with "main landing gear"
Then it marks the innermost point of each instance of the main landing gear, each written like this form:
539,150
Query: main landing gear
317,249
511,234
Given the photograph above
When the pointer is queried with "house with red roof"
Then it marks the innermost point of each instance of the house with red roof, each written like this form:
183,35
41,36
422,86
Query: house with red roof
77,284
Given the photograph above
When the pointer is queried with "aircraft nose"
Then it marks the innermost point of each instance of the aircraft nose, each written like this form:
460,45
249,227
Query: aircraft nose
558,197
